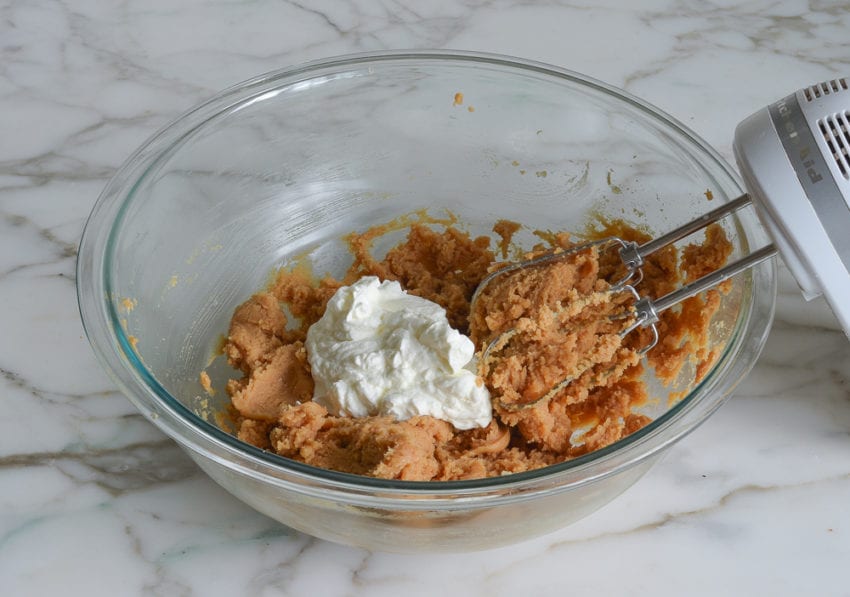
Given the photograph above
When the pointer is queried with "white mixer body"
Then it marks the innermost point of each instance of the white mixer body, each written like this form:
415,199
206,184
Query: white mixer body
794,157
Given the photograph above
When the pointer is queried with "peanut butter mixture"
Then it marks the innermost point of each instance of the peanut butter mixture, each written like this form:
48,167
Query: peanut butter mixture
534,329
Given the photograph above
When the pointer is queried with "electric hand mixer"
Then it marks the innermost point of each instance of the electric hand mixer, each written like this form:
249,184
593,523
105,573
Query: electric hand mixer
794,156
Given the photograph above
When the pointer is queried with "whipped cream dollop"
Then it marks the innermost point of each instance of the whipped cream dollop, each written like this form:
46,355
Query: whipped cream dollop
378,350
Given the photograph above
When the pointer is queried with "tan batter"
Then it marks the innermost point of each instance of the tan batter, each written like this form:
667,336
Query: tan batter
560,330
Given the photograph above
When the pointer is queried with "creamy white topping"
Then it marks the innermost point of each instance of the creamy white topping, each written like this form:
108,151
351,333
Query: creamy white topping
379,350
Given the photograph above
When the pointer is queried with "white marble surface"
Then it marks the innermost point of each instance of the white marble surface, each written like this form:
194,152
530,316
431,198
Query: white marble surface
95,501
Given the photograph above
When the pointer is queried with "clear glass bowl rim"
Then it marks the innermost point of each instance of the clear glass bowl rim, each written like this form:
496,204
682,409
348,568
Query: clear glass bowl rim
116,355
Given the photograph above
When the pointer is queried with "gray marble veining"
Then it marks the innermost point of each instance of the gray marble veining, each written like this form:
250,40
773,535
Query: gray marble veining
95,501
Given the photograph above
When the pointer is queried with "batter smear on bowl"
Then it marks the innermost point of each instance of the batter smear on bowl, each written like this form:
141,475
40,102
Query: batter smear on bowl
559,328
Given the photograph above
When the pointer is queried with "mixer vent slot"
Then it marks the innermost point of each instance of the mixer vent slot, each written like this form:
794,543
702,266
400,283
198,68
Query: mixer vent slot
821,89
836,132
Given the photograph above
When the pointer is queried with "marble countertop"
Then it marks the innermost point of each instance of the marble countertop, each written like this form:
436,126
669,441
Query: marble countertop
95,501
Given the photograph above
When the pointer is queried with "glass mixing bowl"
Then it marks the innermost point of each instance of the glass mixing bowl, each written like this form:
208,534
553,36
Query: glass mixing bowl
285,164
